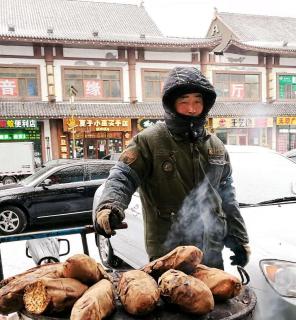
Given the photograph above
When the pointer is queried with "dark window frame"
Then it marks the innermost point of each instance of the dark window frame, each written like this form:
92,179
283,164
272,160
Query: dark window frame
238,73
38,84
91,98
155,97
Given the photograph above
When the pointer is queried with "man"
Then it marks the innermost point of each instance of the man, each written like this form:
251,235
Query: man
173,164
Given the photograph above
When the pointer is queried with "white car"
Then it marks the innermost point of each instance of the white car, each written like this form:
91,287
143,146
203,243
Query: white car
265,184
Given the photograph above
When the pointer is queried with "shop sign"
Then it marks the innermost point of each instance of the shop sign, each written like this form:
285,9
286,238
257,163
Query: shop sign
284,81
97,124
18,124
8,87
146,123
9,135
242,122
286,121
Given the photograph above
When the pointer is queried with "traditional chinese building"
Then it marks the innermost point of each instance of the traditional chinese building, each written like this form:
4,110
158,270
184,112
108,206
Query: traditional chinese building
255,76
79,78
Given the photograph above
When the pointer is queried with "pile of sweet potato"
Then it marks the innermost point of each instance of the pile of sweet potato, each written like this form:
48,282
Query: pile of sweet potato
81,287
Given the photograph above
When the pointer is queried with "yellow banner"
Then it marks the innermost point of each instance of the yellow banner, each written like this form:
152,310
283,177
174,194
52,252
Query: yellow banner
285,121
242,122
97,124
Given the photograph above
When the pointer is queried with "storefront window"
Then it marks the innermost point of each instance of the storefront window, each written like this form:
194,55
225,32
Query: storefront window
93,84
234,86
287,86
286,138
18,82
153,83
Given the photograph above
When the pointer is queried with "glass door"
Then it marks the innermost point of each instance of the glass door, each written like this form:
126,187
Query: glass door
90,147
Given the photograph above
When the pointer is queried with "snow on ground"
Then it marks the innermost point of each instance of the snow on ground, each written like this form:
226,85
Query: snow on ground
14,259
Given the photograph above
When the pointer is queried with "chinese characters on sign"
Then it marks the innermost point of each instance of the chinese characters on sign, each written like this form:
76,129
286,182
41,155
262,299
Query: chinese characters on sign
287,84
93,88
8,87
242,122
286,121
237,90
97,124
18,123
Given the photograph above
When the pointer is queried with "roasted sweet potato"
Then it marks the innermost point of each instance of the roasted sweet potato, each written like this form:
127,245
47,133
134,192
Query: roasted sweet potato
83,268
96,303
138,292
222,284
52,295
11,294
184,258
189,293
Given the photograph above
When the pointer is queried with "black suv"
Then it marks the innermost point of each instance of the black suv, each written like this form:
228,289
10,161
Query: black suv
57,193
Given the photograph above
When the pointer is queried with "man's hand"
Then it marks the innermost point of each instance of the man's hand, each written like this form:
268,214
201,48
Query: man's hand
241,251
108,221
241,255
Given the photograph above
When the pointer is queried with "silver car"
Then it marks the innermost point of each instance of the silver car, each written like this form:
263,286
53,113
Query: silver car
265,183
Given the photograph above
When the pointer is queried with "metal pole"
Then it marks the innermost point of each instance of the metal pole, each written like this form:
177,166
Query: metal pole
1,268
73,129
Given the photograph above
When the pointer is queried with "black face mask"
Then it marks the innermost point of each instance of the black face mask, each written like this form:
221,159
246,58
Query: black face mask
190,128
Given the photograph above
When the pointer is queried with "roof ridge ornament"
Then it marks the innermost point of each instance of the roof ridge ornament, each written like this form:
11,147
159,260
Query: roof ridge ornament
50,30
11,27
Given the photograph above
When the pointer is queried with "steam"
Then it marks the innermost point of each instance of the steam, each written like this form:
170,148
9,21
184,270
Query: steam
199,224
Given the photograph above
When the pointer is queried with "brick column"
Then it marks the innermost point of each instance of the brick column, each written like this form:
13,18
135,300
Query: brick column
269,80
54,135
204,59
48,53
131,56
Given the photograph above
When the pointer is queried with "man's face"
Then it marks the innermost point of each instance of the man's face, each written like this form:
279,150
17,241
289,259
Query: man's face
190,104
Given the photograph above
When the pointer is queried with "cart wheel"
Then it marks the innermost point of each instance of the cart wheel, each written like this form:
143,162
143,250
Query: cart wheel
12,220
106,253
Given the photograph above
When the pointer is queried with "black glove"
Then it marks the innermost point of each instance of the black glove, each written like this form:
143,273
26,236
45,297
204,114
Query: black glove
241,251
109,220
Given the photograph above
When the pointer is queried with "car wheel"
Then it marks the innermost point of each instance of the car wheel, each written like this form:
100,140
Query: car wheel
12,220
106,253
9,180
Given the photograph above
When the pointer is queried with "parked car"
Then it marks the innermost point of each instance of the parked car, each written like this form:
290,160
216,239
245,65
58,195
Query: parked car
291,154
60,192
265,182
56,162
112,156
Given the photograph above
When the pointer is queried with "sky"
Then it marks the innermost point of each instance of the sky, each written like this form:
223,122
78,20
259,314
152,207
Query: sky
191,18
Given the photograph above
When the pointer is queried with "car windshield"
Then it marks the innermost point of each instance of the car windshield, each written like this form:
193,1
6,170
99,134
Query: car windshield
262,176
34,176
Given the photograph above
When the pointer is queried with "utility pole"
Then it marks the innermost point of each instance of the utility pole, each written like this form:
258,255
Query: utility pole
72,93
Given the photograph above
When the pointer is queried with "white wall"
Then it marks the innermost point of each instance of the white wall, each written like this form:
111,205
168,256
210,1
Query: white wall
88,53
287,61
17,50
47,134
28,62
168,56
236,58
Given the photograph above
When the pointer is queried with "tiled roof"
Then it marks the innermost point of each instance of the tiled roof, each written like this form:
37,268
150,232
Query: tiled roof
44,110
247,27
253,109
275,48
60,110
87,21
